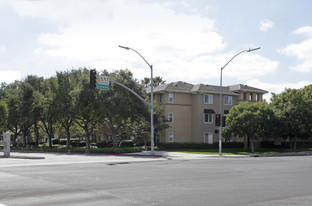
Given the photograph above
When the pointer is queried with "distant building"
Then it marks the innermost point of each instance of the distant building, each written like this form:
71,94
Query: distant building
191,109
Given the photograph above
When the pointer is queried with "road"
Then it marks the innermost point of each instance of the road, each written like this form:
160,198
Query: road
109,180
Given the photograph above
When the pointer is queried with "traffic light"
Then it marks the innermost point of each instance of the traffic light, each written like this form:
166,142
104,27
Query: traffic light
218,119
92,78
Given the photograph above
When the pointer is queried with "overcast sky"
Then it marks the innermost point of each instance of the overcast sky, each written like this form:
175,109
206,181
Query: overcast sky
186,40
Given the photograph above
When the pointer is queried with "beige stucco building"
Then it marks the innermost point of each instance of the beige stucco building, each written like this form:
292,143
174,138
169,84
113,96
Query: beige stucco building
191,109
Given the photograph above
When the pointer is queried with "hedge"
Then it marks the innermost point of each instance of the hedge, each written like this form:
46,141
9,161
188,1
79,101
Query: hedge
82,150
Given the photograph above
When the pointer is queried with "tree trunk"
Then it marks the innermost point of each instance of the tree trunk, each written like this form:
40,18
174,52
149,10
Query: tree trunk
295,143
245,143
252,145
37,134
67,138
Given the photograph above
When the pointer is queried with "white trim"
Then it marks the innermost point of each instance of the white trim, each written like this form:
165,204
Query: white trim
209,138
209,95
170,113
171,137
209,114
170,99
229,97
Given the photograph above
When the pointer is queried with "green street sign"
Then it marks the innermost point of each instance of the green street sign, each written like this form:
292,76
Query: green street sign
102,86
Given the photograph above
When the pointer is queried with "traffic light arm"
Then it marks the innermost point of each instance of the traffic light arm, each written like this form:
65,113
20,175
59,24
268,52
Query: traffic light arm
133,92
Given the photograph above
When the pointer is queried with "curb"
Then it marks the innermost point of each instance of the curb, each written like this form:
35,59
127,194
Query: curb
23,157
282,154
80,153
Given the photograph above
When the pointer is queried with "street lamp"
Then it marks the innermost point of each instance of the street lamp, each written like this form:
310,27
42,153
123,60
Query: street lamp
152,96
220,136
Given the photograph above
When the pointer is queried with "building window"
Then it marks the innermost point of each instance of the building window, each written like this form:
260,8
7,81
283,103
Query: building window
101,137
171,137
170,98
228,100
208,137
208,99
161,98
208,118
170,117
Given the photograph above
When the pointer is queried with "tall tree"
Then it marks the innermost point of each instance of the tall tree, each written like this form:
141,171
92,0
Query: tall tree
3,116
249,121
146,82
46,105
119,105
85,103
64,100
292,108
13,100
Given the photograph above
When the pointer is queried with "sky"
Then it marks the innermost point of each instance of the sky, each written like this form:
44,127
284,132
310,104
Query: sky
189,40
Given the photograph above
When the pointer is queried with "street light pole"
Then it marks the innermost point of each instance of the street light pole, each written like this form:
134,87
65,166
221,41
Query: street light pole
152,96
220,128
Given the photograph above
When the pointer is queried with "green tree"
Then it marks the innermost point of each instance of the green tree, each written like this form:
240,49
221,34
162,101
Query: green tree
85,103
249,121
64,100
292,108
120,106
3,116
12,98
146,82
46,106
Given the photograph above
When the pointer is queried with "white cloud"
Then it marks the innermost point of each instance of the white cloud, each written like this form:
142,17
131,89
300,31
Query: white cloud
181,46
2,49
276,87
302,51
9,76
265,25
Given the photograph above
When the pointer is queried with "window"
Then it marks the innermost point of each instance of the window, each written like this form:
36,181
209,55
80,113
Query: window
161,98
208,137
208,118
171,137
228,100
208,99
101,137
170,117
170,98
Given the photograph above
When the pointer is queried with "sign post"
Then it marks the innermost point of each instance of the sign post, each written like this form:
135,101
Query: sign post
104,83
6,144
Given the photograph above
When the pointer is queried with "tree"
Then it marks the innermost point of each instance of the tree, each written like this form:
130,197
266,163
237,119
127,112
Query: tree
64,100
12,98
293,108
3,116
46,105
249,121
85,103
119,105
146,82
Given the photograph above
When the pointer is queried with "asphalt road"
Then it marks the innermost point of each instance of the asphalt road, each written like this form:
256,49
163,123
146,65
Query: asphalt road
106,180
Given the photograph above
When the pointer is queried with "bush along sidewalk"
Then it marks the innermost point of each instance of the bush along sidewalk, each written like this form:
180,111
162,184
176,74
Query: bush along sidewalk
82,150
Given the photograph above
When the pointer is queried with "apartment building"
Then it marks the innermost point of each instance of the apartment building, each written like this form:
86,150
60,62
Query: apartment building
191,109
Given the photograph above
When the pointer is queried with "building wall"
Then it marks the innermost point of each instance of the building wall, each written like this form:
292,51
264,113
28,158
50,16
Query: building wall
189,117
199,126
181,110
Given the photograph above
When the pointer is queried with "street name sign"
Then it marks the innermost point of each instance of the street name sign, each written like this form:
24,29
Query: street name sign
102,86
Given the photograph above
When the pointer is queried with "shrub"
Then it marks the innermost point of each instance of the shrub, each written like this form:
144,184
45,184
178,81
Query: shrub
126,143
84,150
104,144
175,146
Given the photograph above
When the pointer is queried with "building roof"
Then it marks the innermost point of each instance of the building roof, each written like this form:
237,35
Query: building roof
184,87
245,88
